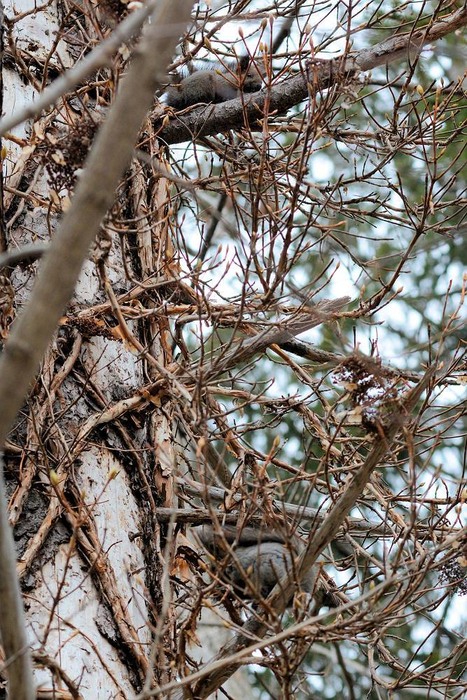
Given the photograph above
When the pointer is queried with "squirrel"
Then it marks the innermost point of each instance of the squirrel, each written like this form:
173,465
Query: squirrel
218,84
260,559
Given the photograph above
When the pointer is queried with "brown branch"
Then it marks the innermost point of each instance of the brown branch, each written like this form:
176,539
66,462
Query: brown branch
284,589
25,255
355,526
322,74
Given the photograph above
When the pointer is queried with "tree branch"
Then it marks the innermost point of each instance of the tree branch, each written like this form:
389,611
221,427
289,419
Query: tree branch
282,592
322,74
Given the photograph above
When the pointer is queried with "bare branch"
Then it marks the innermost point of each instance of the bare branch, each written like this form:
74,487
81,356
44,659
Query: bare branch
206,121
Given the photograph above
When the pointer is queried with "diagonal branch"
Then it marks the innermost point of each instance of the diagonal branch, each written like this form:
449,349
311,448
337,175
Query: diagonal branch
100,56
284,331
280,596
322,74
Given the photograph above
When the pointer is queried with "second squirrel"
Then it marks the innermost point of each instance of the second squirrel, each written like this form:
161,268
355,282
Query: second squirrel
263,559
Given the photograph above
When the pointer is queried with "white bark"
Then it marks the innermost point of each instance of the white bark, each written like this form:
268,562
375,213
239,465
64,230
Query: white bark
214,632
88,604
79,620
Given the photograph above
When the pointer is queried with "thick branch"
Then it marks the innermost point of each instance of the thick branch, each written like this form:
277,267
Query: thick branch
206,121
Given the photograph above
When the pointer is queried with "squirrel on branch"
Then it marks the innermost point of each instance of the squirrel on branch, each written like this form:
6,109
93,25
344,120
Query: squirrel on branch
219,83
253,561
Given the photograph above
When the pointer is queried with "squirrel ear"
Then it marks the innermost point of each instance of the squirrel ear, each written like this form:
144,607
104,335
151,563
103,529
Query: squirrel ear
244,62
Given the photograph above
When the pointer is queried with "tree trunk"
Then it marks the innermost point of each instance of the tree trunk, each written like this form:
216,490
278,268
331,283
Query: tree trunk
92,454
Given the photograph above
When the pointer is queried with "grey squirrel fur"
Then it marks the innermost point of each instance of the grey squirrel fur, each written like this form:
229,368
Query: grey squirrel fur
264,559
218,84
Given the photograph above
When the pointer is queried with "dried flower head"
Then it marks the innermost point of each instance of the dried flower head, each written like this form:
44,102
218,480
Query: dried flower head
371,389
65,156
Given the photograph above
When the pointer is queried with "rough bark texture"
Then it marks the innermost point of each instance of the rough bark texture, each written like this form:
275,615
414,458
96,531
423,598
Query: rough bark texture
81,496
